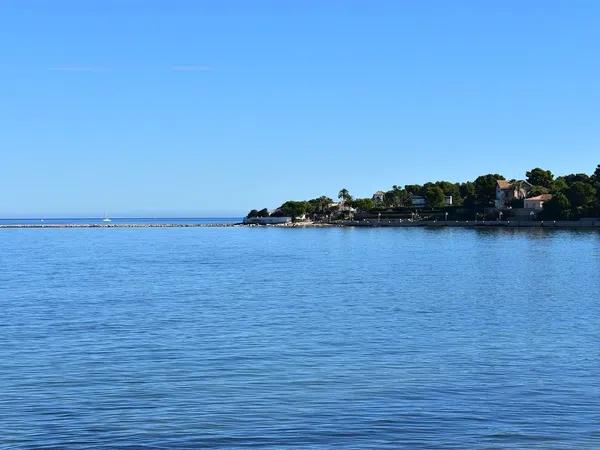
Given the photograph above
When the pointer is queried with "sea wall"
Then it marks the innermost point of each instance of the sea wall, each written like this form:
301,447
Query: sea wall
267,220
584,223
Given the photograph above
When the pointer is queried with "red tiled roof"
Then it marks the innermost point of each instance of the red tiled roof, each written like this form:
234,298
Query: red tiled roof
541,198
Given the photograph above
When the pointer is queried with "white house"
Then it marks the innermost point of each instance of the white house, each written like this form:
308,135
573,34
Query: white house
536,203
271,220
346,208
419,201
507,191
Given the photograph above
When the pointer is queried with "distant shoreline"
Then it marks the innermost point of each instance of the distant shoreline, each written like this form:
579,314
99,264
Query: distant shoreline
549,224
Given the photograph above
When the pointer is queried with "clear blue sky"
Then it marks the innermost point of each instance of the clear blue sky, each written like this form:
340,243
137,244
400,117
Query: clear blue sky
175,107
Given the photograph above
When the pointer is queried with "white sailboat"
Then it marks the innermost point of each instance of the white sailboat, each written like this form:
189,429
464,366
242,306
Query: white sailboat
106,219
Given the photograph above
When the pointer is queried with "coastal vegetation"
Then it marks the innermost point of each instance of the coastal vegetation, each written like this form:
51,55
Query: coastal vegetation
567,197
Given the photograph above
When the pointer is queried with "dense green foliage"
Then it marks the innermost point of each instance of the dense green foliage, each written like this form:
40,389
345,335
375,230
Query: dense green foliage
574,196
539,177
262,213
557,208
435,196
294,209
319,205
485,188
363,204
396,197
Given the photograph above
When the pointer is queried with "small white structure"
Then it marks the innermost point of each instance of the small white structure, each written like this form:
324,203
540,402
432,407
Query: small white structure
537,203
448,200
267,220
418,201
346,208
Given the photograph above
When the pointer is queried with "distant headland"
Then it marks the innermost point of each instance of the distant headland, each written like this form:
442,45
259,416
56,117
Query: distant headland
537,200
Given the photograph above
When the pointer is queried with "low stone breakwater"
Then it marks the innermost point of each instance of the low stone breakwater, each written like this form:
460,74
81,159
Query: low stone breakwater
121,225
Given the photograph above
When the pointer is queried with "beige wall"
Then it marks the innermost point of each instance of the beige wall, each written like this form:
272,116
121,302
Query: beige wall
534,204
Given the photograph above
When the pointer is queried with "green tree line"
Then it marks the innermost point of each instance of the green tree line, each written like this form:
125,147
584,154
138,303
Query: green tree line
573,196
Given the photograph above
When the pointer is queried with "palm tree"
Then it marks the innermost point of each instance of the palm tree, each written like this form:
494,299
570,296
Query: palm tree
324,202
344,195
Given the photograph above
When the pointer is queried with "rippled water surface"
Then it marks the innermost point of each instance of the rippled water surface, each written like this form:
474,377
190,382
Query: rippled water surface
123,220
299,338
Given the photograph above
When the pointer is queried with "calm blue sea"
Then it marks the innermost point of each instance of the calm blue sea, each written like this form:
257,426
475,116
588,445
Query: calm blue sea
299,339
120,220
